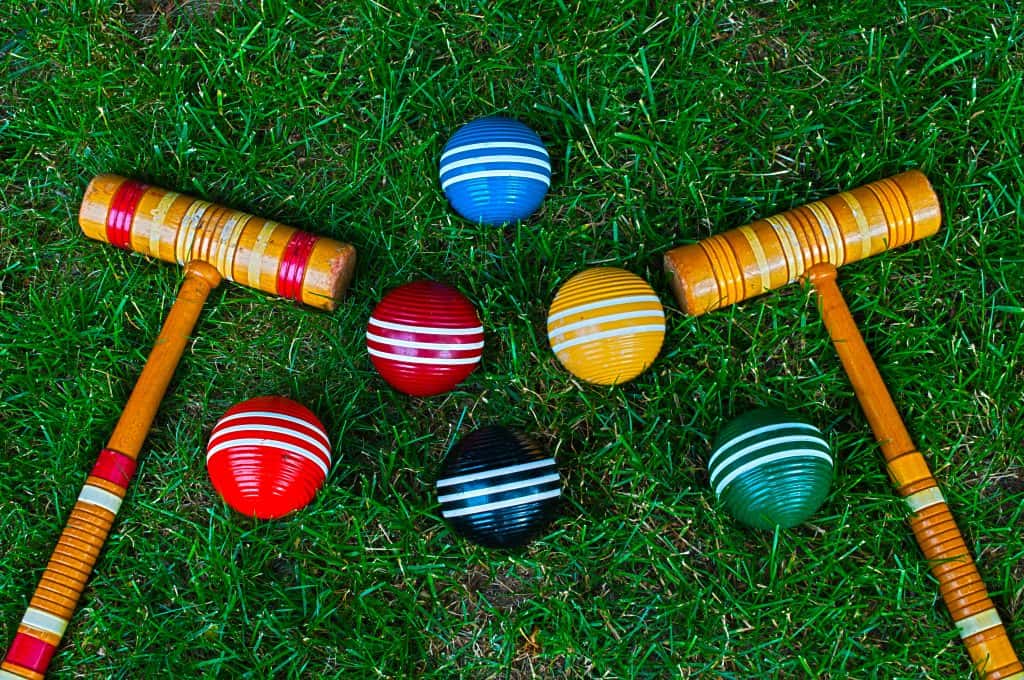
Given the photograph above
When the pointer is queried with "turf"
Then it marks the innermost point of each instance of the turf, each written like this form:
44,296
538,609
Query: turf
665,126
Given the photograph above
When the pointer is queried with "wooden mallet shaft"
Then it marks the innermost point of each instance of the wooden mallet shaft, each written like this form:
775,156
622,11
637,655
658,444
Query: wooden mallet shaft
213,242
809,242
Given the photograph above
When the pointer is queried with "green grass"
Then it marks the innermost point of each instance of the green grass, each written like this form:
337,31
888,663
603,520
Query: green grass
664,126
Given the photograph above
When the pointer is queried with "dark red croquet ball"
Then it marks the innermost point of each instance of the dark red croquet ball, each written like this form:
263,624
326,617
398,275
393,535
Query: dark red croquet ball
268,457
425,338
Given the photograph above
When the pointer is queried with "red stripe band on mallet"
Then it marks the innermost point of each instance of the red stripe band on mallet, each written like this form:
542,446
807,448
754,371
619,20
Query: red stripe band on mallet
122,210
31,653
293,265
114,467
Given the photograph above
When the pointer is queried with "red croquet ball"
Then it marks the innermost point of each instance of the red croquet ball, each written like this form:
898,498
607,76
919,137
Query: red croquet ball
268,456
425,338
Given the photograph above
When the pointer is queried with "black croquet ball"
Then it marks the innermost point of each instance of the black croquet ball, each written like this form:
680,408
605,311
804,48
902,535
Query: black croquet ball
498,488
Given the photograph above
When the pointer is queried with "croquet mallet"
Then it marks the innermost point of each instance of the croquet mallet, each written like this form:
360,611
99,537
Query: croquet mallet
212,242
809,242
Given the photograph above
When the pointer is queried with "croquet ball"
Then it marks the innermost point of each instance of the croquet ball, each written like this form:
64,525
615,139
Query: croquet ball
606,325
770,468
424,338
268,456
498,488
495,171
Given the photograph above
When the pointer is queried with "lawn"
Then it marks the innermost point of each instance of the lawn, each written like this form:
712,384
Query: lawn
665,124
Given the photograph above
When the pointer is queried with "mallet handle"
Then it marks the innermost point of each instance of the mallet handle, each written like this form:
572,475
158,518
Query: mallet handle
932,523
61,585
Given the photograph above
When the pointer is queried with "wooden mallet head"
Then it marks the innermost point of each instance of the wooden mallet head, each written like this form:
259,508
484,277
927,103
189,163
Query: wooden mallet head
250,250
772,252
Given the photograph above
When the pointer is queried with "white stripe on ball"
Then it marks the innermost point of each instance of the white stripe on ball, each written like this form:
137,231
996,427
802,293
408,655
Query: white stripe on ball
757,446
426,330
476,160
271,416
500,488
434,361
268,443
498,505
607,318
254,428
489,174
759,431
485,146
623,300
618,332
764,460
413,344
497,472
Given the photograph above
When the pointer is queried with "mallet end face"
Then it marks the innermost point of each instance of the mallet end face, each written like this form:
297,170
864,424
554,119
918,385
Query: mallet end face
329,272
92,215
692,280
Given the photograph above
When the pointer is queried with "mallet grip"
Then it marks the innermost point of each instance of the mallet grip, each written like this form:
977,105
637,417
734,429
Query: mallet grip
931,521
71,564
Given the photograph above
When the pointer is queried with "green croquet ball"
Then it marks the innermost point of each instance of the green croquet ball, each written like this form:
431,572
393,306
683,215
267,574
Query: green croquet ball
770,468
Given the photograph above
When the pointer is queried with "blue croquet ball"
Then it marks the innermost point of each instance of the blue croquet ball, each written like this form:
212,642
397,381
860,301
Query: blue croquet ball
498,488
495,171
770,468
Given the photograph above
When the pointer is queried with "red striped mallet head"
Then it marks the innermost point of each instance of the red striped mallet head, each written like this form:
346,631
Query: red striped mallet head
425,338
268,457
253,251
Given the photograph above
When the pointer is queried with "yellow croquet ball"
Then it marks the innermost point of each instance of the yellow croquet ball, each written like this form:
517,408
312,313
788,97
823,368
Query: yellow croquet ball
606,325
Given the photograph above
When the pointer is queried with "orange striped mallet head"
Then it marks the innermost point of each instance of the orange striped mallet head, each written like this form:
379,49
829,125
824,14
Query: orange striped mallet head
213,242
809,242
772,252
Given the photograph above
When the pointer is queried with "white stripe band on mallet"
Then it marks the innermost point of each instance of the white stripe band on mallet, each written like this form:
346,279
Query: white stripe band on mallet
925,499
973,625
94,495
44,621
